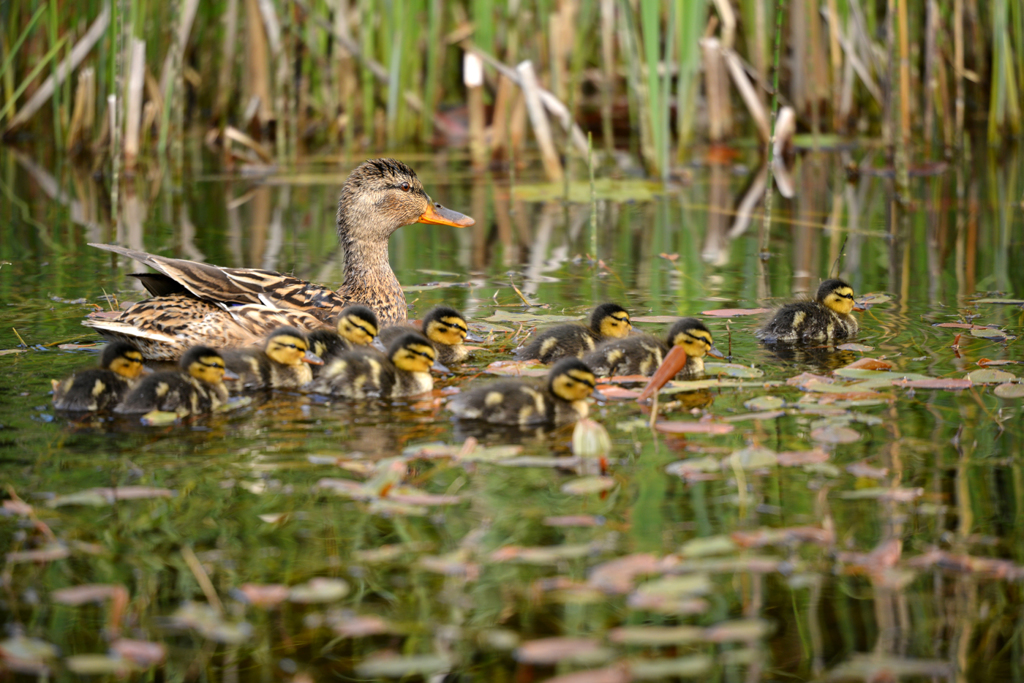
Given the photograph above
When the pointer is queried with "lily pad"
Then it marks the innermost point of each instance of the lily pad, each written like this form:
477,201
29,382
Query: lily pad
863,348
732,370
989,376
764,403
98,665
709,545
691,666
392,665
1012,302
735,312
548,651
656,636
503,316
949,384
835,434
991,334
1010,391
319,589
693,427
588,485
753,458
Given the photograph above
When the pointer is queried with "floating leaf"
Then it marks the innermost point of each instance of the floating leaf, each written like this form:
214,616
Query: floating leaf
865,471
27,655
763,415
765,403
319,589
264,595
658,669
1012,302
760,538
609,391
616,673
709,545
873,299
795,458
361,626
392,665
735,312
732,370
86,593
835,434
693,427
107,496
618,576
863,348
98,665
869,364
51,553
656,636
671,587
549,651
986,376
503,316
1010,391
738,630
517,368
208,622
574,521
949,384
685,468
143,653
588,485
898,495
991,334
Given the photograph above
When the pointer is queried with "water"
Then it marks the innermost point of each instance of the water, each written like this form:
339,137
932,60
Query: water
897,543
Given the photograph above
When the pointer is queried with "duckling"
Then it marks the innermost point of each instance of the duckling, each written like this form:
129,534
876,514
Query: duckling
608,321
357,326
561,400
103,387
198,387
366,374
827,318
642,354
444,327
281,363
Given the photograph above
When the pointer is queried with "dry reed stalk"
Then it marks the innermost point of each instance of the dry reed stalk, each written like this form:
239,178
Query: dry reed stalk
849,44
608,71
800,54
257,67
758,111
958,68
819,81
539,121
945,105
517,129
177,48
78,53
473,78
716,90
225,70
83,116
133,98
930,96
836,60
905,99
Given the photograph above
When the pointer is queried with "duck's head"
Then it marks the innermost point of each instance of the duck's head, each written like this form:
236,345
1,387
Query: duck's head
412,353
694,337
382,195
571,380
122,358
288,346
445,325
611,320
358,324
837,295
205,364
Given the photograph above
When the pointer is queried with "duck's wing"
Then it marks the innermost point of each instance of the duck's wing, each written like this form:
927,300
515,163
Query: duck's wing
231,285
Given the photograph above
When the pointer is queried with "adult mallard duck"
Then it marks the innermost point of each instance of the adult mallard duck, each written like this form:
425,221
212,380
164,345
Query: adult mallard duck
366,373
197,303
282,362
522,402
197,387
103,387
608,321
825,319
641,354
446,329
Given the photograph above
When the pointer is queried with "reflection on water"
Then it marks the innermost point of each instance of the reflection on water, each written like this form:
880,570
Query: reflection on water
870,532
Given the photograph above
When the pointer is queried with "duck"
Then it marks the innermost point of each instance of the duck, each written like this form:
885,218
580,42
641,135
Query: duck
281,362
196,303
196,388
361,374
357,327
444,327
562,399
101,388
641,354
827,318
608,321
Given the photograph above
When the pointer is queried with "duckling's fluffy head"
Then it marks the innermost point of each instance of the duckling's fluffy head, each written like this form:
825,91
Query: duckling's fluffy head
358,324
694,337
445,325
382,195
204,363
412,353
287,346
122,358
611,320
571,380
837,295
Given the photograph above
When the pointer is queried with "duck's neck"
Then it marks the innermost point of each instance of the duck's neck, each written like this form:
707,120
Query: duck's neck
370,280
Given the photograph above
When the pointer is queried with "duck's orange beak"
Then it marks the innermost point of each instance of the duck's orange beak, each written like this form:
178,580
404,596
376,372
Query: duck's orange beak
438,215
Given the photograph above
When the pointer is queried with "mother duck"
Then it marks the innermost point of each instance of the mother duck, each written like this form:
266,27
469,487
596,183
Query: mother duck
197,303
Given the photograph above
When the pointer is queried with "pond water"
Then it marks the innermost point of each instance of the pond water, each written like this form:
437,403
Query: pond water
843,527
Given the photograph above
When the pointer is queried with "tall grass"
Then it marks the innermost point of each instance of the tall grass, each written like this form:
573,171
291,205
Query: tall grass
308,78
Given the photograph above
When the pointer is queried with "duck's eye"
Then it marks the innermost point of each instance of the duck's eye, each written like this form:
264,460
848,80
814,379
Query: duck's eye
405,187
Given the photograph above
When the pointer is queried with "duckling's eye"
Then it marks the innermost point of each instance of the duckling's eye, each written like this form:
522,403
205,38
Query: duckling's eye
405,187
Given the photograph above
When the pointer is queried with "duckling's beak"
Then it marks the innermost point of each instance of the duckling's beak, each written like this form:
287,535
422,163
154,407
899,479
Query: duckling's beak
858,306
713,351
312,358
597,395
146,370
673,363
440,368
475,338
438,215
229,376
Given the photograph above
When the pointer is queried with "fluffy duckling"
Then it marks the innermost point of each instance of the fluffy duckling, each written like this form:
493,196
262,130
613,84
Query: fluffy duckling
103,387
561,400
827,318
282,363
365,374
608,321
444,327
357,326
198,387
642,354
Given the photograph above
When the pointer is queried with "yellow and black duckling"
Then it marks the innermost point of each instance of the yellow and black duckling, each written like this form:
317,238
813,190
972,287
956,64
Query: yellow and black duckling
362,374
357,326
608,321
444,327
642,354
562,399
827,318
281,363
198,387
103,387
193,303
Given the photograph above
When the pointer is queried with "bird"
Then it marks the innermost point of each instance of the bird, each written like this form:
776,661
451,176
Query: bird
826,318
641,354
561,399
103,387
444,327
281,362
196,387
357,327
608,321
360,374
198,303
